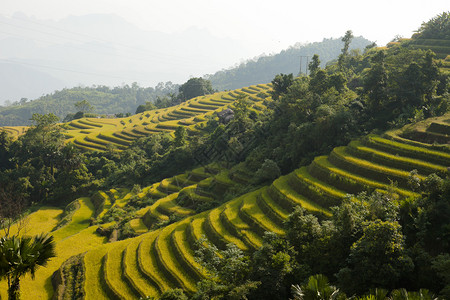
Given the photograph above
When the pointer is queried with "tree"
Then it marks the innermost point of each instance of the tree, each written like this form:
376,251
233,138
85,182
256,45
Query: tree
44,120
375,85
281,83
180,136
45,128
194,87
430,75
84,106
5,143
377,259
145,107
347,39
173,294
272,265
269,171
12,206
228,272
411,89
436,28
22,255
317,288
314,65
241,108
319,82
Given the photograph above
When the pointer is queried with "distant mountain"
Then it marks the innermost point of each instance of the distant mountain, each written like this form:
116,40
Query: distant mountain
116,100
264,68
17,81
104,49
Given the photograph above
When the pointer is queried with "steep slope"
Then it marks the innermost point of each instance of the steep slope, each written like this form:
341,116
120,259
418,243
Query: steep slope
96,134
155,261
76,229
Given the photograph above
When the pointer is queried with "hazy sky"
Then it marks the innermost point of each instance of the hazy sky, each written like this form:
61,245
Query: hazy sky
267,25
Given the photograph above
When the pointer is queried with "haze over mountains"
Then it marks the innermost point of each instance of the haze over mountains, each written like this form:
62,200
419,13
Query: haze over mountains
103,49
38,57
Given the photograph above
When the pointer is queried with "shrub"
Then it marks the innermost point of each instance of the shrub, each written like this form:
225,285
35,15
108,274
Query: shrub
269,171
173,294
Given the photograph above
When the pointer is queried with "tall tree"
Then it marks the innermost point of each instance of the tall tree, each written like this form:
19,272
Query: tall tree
280,83
375,85
347,39
377,259
436,28
314,65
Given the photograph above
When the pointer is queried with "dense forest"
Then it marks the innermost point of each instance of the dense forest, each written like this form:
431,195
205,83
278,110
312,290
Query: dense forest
373,243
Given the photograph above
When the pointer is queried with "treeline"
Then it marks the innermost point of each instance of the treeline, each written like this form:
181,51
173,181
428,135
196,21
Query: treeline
264,68
104,100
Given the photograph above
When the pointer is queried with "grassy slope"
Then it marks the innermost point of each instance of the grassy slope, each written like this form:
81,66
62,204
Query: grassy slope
153,261
74,238
247,217
91,134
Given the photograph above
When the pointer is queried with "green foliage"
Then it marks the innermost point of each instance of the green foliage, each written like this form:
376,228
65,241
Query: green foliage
106,100
347,39
194,87
437,27
45,120
441,264
180,136
22,255
314,65
317,288
84,106
268,171
382,242
173,294
228,272
281,83
272,264
145,107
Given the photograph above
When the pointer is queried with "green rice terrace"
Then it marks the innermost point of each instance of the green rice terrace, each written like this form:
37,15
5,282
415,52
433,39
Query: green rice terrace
441,47
96,134
96,265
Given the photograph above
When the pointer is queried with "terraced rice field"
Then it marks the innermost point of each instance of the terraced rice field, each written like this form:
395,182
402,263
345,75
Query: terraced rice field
165,257
14,131
75,237
98,134
441,47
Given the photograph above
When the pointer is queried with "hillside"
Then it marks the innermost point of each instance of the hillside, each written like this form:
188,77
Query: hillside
163,258
105,100
433,35
264,68
97,133
338,179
